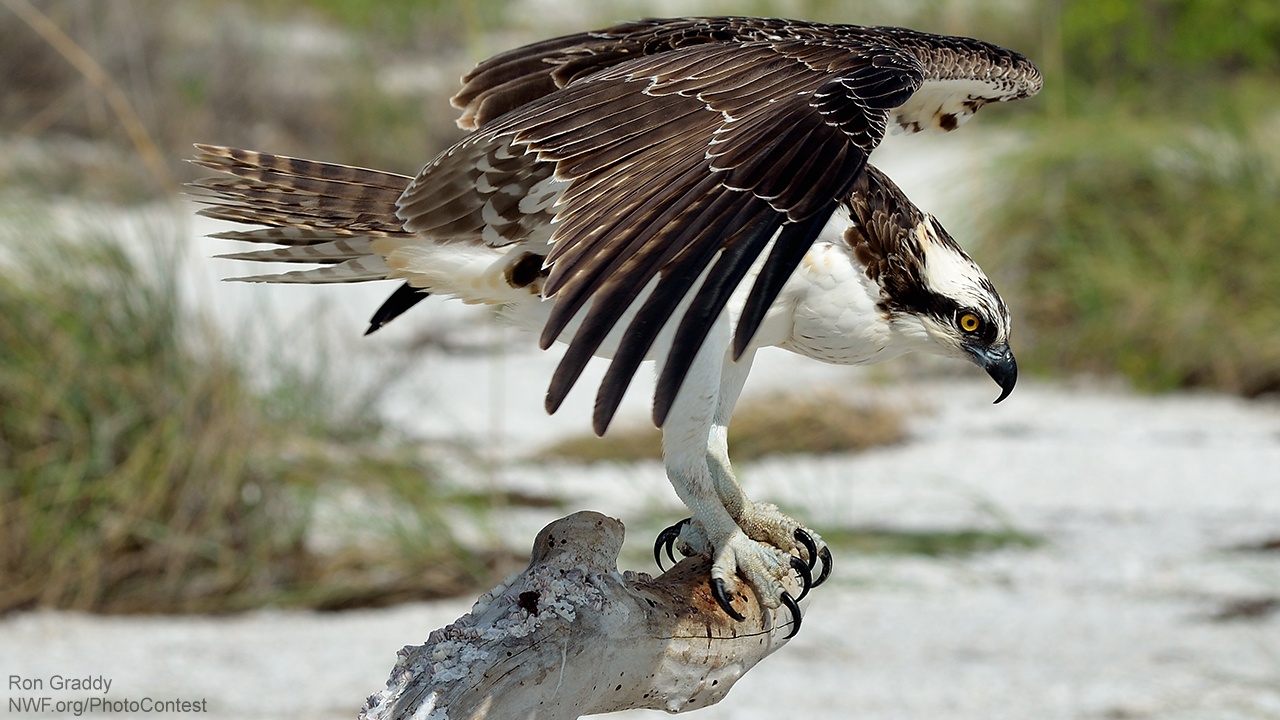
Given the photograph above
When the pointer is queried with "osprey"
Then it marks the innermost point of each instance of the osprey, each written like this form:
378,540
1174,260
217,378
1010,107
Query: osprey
686,190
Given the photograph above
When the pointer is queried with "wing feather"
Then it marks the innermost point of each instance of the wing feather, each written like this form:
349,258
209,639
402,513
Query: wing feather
682,147
749,228
614,274
711,228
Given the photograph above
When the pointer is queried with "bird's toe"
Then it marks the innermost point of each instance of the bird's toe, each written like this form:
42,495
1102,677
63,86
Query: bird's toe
766,524
766,569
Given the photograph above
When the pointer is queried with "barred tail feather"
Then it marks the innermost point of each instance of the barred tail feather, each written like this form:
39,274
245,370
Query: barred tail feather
323,253
357,270
309,212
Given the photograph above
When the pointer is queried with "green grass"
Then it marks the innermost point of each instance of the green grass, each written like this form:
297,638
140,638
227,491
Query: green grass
1146,247
142,471
772,426
401,19
297,77
1135,235
931,543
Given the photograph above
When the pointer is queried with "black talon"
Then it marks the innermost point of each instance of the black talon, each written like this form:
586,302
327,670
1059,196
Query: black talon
667,538
815,555
806,580
722,599
794,607
825,555
810,546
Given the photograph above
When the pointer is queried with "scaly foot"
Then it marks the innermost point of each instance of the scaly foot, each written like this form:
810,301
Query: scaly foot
763,562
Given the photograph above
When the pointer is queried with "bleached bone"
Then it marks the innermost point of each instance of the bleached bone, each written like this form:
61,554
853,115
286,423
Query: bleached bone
573,636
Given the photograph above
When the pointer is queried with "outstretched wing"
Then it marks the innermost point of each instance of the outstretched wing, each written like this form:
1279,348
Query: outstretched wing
962,74
683,148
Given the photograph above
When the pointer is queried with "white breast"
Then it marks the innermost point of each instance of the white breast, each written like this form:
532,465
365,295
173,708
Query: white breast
834,310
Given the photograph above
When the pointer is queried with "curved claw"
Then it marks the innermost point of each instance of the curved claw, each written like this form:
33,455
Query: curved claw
806,580
825,556
811,548
667,538
722,599
794,606
815,556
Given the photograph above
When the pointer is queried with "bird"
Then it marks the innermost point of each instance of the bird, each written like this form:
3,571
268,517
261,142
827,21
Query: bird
681,190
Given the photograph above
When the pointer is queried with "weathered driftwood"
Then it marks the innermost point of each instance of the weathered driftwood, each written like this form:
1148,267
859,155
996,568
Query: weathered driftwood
573,636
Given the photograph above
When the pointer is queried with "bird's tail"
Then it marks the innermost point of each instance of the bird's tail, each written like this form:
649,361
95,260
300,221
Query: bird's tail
310,212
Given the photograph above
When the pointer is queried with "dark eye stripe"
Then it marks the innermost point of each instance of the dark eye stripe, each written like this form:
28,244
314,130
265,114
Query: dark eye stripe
918,299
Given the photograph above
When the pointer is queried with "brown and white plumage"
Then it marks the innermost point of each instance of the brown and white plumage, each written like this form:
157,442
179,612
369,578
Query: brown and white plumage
660,189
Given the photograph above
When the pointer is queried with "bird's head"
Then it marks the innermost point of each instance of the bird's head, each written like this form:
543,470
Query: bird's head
932,293
957,307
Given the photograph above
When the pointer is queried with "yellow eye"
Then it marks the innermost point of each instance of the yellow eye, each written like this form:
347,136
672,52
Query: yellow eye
969,322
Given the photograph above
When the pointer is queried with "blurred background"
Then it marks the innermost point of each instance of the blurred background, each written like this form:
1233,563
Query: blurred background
169,444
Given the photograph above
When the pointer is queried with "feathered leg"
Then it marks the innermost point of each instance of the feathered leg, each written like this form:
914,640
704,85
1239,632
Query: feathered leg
747,542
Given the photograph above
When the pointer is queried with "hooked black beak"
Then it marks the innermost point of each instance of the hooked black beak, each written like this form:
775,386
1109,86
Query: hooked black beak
999,363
